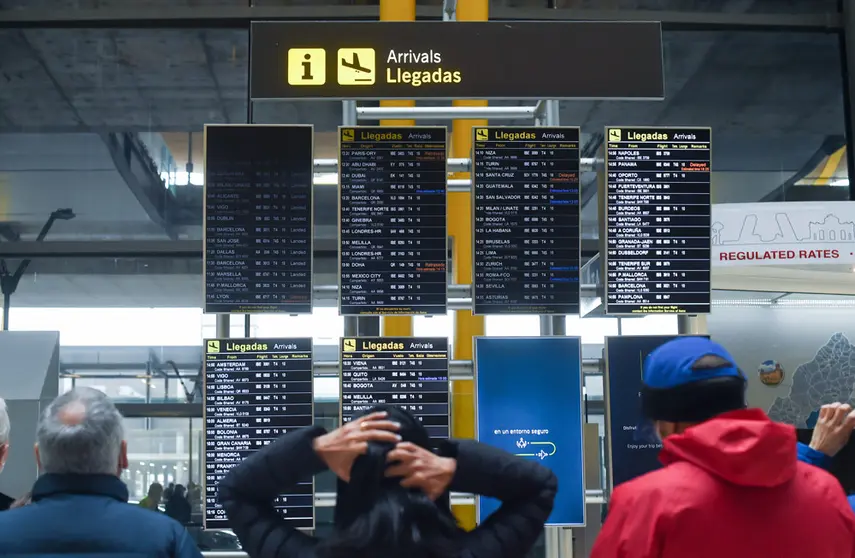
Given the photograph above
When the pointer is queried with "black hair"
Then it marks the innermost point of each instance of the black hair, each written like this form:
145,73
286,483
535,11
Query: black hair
375,516
697,401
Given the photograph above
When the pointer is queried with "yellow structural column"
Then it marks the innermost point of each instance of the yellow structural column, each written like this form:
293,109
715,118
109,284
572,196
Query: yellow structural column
466,326
397,10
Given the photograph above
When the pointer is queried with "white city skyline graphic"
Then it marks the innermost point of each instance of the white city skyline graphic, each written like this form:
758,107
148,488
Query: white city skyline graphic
830,230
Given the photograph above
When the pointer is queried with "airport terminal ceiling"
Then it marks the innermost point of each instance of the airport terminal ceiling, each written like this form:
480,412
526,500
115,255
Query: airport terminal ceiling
94,119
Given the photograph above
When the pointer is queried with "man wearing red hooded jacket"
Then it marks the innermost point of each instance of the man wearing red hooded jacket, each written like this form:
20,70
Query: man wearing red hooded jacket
731,485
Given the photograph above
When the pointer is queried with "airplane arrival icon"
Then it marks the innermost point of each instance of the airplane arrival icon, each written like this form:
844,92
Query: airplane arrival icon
542,454
356,66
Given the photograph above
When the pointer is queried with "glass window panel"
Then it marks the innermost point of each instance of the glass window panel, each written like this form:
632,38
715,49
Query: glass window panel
649,325
324,325
591,330
121,388
159,451
512,326
171,389
237,326
66,383
433,326
113,326
327,390
594,387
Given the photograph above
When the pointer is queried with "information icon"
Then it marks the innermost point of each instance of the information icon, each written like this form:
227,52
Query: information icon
356,66
307,66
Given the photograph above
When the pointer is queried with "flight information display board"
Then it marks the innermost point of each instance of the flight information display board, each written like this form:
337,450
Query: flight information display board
633,444
407,372
258,219
392,210
658,221
255,391
526,216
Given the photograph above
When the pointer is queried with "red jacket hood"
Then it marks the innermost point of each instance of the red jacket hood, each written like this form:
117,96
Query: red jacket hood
742,447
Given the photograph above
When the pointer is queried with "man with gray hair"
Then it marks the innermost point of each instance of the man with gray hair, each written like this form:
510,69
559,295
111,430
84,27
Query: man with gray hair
5,429
79,504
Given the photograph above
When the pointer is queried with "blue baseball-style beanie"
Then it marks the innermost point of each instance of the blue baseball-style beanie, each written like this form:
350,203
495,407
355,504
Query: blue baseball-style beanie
680,385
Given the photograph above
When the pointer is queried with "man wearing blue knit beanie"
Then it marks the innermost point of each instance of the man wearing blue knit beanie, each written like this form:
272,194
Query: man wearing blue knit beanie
731,484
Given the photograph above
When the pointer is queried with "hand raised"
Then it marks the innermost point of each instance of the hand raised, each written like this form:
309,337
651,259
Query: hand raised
421,468
833,428
339,448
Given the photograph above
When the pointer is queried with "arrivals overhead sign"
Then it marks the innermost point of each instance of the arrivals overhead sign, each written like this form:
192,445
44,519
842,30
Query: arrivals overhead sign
510,60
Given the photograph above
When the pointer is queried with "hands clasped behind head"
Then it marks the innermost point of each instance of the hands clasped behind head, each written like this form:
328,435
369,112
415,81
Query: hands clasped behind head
371,449
340,448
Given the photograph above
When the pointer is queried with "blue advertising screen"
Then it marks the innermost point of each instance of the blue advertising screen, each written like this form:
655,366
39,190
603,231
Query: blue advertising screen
529,402
633,444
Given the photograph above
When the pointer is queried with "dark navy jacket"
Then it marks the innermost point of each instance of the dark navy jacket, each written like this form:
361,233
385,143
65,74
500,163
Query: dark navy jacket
88,515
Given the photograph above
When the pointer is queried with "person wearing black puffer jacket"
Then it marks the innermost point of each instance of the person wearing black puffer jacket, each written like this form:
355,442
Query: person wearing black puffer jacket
393,496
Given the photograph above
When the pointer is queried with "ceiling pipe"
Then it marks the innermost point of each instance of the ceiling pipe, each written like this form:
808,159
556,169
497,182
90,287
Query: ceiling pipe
9,281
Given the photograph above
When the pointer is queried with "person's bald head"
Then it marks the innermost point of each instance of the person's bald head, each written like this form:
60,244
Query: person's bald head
72,414
81,433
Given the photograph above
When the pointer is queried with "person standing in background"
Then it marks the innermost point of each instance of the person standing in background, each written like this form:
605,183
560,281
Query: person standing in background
177,507
79,504
731,484
152,499
167,492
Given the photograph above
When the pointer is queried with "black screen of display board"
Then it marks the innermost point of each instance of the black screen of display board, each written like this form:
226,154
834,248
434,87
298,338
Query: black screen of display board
258,219
526,218
407,372
392,209
255,391
658,220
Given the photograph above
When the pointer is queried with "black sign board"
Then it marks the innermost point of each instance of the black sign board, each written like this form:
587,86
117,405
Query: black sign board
258,219
255,391
392,210
478,60
526,216
408,372
658,220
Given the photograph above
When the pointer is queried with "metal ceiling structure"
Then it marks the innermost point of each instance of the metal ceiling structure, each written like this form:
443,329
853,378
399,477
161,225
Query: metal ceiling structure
96,94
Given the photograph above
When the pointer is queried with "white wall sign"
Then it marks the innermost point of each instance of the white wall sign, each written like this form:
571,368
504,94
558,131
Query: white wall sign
787,233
